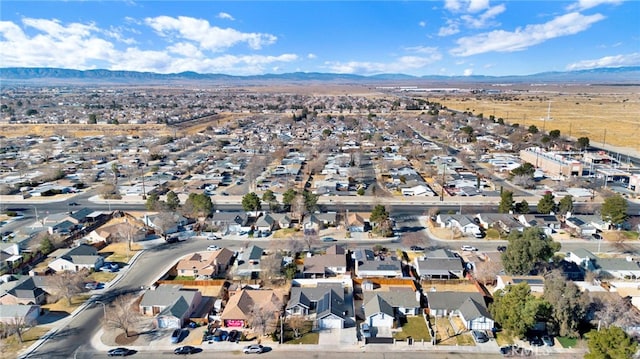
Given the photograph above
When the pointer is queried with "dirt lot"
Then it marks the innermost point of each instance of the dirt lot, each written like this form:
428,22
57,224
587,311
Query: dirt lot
576,111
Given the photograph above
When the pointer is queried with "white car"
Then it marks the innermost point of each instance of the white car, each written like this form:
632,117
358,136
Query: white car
469,248
253,349
213,248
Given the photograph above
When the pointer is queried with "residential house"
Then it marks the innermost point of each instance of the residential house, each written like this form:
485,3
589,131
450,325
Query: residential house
230,222
358,222
469,306
265,223
580,227
535,282
324,303
368,265
77,258
247,263
620,268
238,311
172,305
546,222
314,222
332,263
21,290
502,221
439,264
164,224
465,224
283,220
26,315
209,264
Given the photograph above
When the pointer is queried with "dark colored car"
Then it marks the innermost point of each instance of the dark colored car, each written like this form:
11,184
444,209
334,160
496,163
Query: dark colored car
417,248
502,248
119,352
479,336
548,340
187,349
536,341
234,336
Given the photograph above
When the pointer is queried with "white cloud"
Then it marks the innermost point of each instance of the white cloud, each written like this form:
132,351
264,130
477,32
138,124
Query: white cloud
403,64
485,18
208,37
422,24
311,56
466,5
588,4
225,16
452,28
632,59
468,72
50,43
522,38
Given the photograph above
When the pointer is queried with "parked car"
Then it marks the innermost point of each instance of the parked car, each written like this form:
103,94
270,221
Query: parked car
110,267
120,352
536,341
417,248
479,234
214,237
187,349
502,248
253,349
548,340
234,336
469,248
92,285
213,248
176,336
596,236
220,335
479,336
329,239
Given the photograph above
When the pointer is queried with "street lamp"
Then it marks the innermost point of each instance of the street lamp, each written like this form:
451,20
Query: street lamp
104,309
36,210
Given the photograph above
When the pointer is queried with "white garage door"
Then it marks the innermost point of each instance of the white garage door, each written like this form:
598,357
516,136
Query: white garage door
330,324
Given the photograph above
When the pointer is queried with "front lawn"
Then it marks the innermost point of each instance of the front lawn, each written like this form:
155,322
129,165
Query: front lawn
309,338
306,335
102,277
285,232
119,252
446,335
11,345
63,306
567,342
416,328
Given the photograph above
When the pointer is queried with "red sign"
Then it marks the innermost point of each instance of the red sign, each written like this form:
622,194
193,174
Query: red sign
234,323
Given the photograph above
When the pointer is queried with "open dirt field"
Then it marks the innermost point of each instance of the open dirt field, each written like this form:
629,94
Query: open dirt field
604,114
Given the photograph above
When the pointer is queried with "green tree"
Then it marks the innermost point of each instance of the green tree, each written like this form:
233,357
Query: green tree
152,201
379,214
533,129
360,191
251,202
198,205
565,205
614,209
527,250
526,169
516,309
93,119
554,134
268,196
173,201
610,343
310,201
326,132
583,143
568,302
288,196
522,207
506,202
46,245
546,204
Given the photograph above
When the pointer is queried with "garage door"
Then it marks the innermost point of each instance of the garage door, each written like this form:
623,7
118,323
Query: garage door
330,324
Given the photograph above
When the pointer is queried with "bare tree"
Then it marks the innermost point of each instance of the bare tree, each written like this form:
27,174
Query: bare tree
413,239
271,266
310,240
615,310
263,317
17,325
128,232
486,271
67,284
296,323
293,245
165,221
121,314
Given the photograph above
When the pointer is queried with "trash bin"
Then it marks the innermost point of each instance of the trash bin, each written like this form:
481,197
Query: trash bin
410,340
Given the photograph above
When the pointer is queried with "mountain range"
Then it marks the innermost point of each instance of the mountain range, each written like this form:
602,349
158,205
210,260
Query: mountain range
606,75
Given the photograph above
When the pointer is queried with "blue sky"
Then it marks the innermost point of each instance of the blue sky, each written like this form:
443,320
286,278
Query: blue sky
448,37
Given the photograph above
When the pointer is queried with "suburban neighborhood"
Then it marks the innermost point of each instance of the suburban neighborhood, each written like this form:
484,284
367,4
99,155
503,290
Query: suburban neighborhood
242,221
